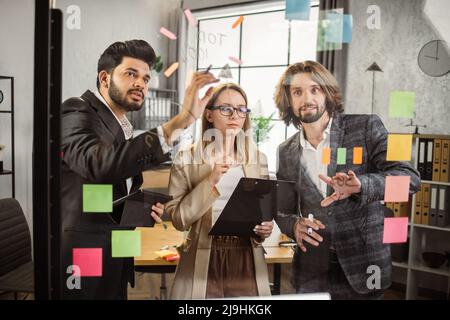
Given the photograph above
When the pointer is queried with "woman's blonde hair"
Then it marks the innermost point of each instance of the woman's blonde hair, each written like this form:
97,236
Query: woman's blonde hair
320,75
242,150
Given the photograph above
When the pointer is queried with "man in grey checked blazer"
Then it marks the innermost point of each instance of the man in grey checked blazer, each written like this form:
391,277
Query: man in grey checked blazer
345,247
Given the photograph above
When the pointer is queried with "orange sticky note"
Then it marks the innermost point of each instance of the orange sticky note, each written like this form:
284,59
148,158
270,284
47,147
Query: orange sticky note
171,69
326,156
399,147
396,189
357,155
395,230
237,22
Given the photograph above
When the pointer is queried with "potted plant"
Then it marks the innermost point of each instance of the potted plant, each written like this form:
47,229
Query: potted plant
261,125
157,68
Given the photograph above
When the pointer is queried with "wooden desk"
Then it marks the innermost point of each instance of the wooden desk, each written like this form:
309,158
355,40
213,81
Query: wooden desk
153,239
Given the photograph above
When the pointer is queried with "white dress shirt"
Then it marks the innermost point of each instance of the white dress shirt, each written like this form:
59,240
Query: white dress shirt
226,186
311,158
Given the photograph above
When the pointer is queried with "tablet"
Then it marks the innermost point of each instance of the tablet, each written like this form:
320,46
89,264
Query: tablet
137,209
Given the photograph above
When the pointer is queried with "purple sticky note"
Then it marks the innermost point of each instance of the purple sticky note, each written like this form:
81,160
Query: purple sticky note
89,260
396,189
395,230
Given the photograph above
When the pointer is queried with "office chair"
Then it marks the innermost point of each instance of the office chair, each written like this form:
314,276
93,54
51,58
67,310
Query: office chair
16,265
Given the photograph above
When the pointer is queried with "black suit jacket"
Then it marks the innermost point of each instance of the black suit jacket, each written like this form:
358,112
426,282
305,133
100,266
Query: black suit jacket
95,152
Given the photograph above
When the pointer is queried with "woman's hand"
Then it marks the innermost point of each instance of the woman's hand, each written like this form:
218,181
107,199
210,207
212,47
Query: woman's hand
157,212
264,230
219,170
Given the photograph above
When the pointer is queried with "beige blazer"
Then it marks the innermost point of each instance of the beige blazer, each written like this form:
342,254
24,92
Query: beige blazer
191,211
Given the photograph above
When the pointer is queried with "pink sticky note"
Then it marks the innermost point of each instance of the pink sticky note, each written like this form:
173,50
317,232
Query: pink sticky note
235,60
167,33
396,189
395,230
190,17
89,260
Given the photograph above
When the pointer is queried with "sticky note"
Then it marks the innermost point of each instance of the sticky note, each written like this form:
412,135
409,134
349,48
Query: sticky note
341,155
399,147
167,33
97,198
170,70
326,156
395,230
125,243
297,9
334,27
396,188
357,155
235,60
348,28
89,260
190,17
237,22
172,257
338,27
401,104
164,253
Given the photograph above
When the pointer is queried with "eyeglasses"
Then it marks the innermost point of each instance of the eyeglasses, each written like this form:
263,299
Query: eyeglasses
228,111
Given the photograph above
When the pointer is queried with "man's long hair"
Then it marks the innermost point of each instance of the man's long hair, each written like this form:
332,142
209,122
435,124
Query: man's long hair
320,75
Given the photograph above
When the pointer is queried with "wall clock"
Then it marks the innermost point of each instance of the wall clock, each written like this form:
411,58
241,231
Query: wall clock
434,59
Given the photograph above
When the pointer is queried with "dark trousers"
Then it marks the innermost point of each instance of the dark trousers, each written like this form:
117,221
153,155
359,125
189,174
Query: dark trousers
335,282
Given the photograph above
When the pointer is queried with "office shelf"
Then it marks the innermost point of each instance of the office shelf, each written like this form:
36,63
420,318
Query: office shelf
440,183
424,238
10,113
430,227
443,271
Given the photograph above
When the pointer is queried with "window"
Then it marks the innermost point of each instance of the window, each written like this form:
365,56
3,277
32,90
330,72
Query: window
266,43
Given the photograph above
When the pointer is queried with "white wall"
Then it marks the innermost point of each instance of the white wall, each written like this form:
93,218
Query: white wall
17,60
395,47
102,23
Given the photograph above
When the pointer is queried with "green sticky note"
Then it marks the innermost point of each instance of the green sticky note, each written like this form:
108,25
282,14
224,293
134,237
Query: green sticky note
97,198
341,155
125,243
401,104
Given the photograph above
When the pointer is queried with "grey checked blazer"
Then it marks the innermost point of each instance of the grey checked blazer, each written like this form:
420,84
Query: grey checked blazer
354,226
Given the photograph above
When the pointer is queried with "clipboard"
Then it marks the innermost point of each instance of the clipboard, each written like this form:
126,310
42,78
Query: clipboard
252,202
136,212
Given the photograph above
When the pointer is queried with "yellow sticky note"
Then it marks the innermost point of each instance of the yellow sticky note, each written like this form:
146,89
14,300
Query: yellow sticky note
164,253
399,147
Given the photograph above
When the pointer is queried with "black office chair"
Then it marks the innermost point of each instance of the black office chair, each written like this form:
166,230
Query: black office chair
16,265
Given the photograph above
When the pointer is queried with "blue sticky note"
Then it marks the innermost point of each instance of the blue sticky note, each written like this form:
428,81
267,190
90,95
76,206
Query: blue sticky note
348,27
297,9
334,27
338,27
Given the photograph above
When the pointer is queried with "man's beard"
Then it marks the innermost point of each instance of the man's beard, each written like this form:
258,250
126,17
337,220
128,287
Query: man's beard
121,99
311,117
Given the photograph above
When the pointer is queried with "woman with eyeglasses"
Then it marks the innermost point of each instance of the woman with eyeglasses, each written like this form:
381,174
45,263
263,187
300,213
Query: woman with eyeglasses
202,180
